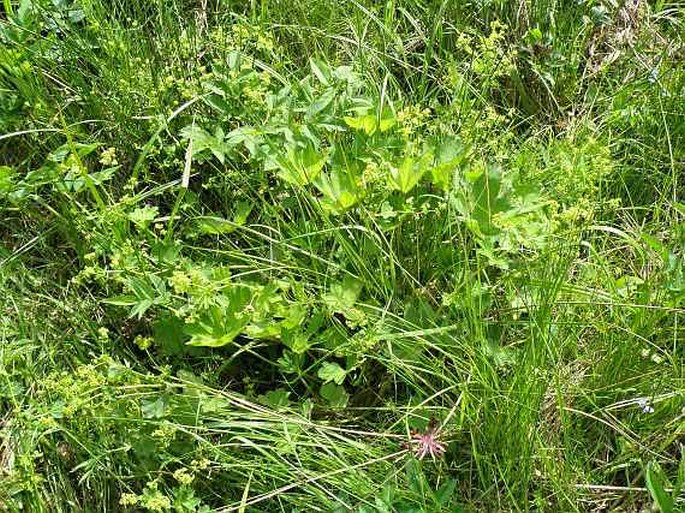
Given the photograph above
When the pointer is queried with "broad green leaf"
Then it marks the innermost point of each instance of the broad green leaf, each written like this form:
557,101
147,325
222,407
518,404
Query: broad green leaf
263,328
444,494
489,251
168,334
219,326
144,295
158,283
217,102
244,134
387,120
76,15
200,137
276,399
382,506
234,59
295,315
300,166
140,308
143,216
26,8
502,356
343,295
655,244
486,190
217,146
296,341
449,155
416,480
105,175
321,103
6,179
60,154
203,335
372,122
167,252
480,198
335,395
366,123
201,140
141,288
332,372
387,495
339,190
242,212
154,408
409,172
187,375
290,363
346,74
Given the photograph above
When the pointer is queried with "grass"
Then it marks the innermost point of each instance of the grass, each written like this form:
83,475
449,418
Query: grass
250,251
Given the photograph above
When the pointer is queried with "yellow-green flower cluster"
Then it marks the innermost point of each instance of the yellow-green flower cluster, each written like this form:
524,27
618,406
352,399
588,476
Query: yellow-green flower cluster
411,119
108,158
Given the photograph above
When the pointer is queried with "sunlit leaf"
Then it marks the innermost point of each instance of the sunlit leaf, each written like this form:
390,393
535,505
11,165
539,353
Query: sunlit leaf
220,326
343,295
339,189
366,123
143,216
300,166
409,172
332,372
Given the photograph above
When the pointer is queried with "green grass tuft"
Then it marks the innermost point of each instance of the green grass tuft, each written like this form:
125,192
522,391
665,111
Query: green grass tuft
256,256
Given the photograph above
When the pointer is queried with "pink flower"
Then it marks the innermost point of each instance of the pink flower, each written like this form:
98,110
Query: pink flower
428,443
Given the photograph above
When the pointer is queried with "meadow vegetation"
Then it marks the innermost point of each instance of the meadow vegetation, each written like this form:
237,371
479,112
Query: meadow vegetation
342,256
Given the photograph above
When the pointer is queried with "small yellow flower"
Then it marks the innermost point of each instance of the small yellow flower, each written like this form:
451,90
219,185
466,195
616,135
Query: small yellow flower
143,342
109,157
183,476
129,499
201,464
